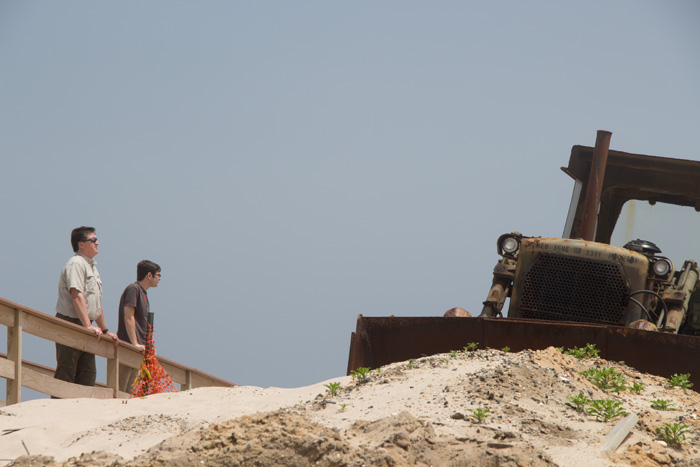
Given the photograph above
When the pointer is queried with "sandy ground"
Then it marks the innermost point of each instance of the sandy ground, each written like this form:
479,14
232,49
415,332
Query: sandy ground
410,413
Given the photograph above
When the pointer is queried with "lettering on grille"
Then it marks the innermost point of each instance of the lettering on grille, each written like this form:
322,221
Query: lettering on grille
565,288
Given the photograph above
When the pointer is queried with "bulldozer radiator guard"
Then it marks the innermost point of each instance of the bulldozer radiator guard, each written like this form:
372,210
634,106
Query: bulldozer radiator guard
567,288
378,341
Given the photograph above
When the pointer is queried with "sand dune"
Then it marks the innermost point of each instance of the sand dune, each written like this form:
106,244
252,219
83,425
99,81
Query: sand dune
410,413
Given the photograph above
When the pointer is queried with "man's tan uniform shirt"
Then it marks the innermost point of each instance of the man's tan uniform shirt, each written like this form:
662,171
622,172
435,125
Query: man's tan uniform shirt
80,273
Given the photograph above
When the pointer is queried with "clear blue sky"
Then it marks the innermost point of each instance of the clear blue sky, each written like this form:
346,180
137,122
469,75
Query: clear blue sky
293,164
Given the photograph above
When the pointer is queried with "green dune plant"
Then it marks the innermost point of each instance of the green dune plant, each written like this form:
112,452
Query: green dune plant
589,351
332,388
661,404
579,402
607,379
680,381
673,434
606,409
361,375
479,415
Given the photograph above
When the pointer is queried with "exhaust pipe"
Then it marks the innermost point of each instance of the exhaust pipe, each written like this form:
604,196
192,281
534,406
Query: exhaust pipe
594,186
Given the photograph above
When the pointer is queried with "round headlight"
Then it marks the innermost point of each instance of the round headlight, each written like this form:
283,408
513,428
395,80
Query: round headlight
662,267
510,245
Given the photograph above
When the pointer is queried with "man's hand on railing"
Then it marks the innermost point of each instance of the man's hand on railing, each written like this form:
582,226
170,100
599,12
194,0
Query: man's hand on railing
99,334
114,337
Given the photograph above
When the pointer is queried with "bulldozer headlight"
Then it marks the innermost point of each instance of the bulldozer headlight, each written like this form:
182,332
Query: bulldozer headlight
662,267
510,245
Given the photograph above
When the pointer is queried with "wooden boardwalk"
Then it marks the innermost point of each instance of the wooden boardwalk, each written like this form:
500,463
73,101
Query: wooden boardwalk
20,373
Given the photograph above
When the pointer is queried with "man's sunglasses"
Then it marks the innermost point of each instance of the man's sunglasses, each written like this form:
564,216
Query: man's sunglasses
93,240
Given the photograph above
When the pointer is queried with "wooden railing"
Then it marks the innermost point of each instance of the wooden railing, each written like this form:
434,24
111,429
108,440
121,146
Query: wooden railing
19,373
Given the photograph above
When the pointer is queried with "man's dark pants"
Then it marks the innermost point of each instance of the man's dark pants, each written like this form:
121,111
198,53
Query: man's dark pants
73,365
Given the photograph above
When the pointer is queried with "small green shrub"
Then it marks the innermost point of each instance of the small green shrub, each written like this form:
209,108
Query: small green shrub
637,388
454,353
575,352
332,388
470,347
479,415
661,404
589,351
579,402
606,379
606,409
680,381
361,375
505,349
412,363
673,434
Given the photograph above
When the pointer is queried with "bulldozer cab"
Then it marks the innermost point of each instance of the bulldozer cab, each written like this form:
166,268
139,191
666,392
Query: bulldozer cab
628,178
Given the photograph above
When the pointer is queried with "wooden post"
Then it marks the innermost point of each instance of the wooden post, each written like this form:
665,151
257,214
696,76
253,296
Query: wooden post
13,393
187,384
113,372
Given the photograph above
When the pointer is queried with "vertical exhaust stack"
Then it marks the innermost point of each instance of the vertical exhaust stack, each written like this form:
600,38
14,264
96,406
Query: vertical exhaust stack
594,186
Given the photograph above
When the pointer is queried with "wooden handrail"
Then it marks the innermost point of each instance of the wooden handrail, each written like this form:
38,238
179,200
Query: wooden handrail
19,373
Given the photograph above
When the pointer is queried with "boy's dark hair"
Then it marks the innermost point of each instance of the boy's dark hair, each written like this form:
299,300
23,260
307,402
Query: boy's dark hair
80,234
144,267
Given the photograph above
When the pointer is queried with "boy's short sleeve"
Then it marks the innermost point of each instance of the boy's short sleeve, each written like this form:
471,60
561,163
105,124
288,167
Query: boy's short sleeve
131,296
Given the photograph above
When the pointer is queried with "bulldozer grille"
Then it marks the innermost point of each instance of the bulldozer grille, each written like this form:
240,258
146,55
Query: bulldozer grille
565,288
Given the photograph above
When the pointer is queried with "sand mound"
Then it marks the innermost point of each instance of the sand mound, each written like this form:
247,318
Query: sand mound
420,412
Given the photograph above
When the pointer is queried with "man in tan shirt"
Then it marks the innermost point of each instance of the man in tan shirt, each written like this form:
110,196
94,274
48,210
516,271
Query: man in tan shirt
80,302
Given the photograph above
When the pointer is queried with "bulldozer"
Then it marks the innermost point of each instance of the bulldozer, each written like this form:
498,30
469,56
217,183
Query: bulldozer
632,302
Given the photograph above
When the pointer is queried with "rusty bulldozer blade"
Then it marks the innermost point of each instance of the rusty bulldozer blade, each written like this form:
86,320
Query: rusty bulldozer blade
378,341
